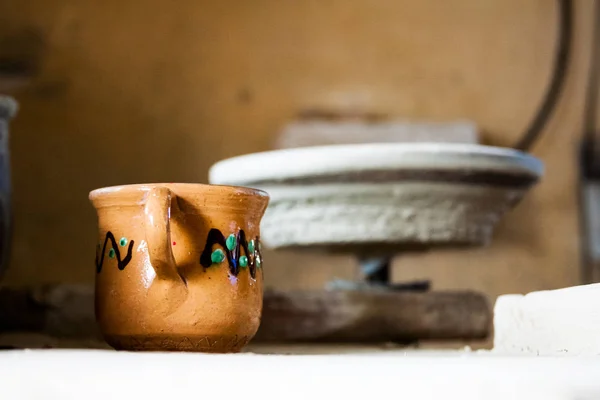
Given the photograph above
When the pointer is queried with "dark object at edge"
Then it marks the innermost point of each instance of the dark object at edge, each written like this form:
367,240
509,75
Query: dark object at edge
8,108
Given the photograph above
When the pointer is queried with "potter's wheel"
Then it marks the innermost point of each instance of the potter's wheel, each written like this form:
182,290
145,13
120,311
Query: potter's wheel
383,197
375,201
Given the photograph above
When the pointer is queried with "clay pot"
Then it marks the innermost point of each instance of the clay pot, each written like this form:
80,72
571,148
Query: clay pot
179,266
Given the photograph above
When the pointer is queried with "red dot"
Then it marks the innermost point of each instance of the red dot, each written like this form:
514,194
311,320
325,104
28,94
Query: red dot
174,243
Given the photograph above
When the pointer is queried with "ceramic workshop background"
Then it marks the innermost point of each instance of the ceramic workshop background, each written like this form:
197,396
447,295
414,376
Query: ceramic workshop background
117,92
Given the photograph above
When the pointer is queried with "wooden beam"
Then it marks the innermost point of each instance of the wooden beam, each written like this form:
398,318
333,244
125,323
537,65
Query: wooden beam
373,316
67,311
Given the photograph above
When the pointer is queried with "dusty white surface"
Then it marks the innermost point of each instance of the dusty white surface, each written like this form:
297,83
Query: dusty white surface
315,161
90,375
555,322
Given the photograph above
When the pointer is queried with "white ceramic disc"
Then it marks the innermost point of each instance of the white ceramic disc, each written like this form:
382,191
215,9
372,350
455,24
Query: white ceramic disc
383,194
341,159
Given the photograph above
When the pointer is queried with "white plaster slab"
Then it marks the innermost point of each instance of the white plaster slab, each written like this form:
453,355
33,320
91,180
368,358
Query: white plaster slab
102,375
322,132
562,322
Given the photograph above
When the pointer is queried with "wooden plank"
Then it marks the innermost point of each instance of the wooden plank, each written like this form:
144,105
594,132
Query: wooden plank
67,311
372,316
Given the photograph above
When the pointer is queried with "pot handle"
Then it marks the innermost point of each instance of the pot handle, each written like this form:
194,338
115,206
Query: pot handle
158,232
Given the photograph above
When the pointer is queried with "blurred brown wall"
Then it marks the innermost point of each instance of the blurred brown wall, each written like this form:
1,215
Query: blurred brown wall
116,92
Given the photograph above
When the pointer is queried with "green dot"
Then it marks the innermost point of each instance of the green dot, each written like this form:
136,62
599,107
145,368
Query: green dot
243,261
251,246
230,242
123,241
217,256
111,253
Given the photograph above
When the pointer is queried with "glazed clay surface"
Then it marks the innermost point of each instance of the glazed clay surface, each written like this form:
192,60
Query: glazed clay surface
178,266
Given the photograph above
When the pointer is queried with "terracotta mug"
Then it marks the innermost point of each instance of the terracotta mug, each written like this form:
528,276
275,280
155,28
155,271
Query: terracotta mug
178,266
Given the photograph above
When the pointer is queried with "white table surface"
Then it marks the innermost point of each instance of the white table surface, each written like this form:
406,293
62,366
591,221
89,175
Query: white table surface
413,374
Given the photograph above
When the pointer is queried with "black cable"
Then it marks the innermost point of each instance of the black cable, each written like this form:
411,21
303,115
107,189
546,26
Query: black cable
592,90
558,77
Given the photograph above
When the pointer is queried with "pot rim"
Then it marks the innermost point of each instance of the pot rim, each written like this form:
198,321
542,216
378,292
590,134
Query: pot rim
110,191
